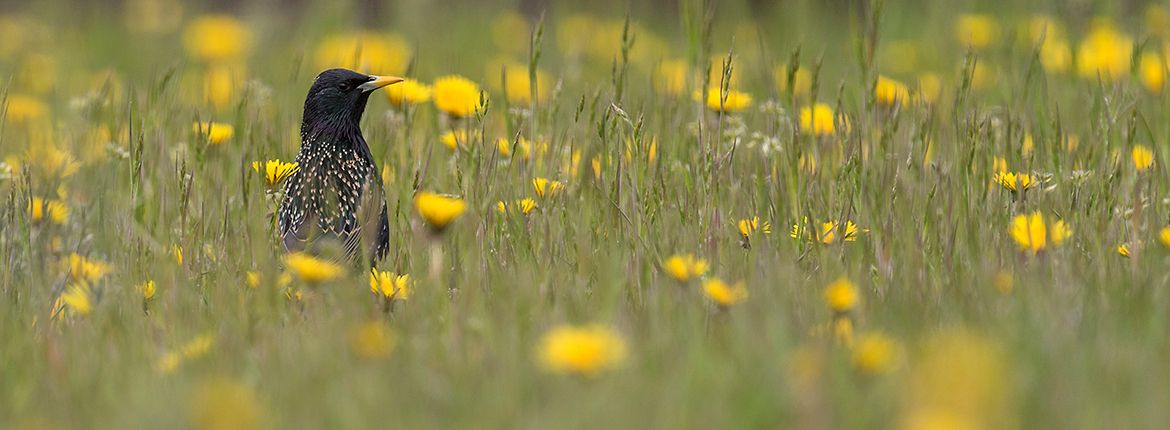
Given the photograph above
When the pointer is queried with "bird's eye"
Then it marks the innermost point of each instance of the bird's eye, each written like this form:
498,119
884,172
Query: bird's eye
344,86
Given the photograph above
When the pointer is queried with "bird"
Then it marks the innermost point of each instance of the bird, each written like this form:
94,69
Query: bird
335,198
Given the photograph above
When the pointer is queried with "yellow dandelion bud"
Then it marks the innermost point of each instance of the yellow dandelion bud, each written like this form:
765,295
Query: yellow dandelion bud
372,340
438,210
456,96
1123,250
147,289
684,267
214,133
311,269
581,350
1143,158
842,295
177,252
724,294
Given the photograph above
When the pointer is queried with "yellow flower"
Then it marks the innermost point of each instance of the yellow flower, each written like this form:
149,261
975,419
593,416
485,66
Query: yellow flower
545,187
366,52
802,81
220,403
1123,250
1032,234
670,77
526,206
390,285
504,146
748,226
1015,182
875,353
252,278
890,92
819,120
1152,72
147,289
311,269
595,164
78,298
1055,55
828,232
1143,158
177,252
410,92
517,83
217,38
1105,52
842,295
274,171
583,350
372,340
842,328
976,31
684,267
24,109
736,101
807,163
929,89
723,294
54,211
438,210
1164,236
87,270
456,96
455,139
219,85
215,132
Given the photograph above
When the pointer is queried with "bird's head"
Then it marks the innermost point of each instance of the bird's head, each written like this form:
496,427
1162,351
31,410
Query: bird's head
338,97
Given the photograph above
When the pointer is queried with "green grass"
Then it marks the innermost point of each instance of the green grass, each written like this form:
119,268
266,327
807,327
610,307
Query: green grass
1079,342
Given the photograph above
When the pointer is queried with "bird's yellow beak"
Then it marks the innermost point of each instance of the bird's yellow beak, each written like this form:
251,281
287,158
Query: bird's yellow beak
379,82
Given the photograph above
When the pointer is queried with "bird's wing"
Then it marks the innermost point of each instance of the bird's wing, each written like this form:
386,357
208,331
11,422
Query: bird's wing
371,232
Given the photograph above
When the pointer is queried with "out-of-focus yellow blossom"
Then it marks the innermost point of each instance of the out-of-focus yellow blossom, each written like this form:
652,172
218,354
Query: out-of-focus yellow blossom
595,164
1105,51
983,76
1055,56
999,166
311,269
274,171
572,164
408,92
899,56
455,139
456,96
716,72
842,330
801,81
1164,236
1043,27
724,294
736,101
977,31
217,38
37,74
929,89
890,92
1015,182
1152,72
148,289
1032,234
581,350
372,340
87,270
220,82
78,298
510,32
177,253
54,211
1027,146
214,132
819,120
1003,282
978,397
875,353
684,267
438,210
1143,158
220,403
390,285
545,187
366,52
828,233
526,206
23,109
670,77
842,295
1123,250
504,147
518,84
749,226
252,278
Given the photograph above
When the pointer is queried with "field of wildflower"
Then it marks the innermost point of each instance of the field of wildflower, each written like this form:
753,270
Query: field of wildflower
662,214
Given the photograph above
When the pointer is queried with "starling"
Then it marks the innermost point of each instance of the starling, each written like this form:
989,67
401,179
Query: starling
336,195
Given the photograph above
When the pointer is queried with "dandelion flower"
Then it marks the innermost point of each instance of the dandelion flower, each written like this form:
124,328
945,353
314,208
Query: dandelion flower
976,31
78,297
736,100
372,340
252,278
24,109
220,83
217,38
1104,52
581,350
1123,250
311,269
1164,236
408,92
54,211
518,84
438,210
367,52
148,290
457,96
1032,234
456,139
820,120
1152,71
215,132
177,252
842,295
545,187
274,171
504,147
875,353
749,226
1143,158
390,285
86,269
526,206
1015,182
1059,232
890,92
670,77
684,267
723,294
802,80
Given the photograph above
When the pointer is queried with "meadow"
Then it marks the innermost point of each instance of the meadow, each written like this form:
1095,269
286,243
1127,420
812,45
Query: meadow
694,214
